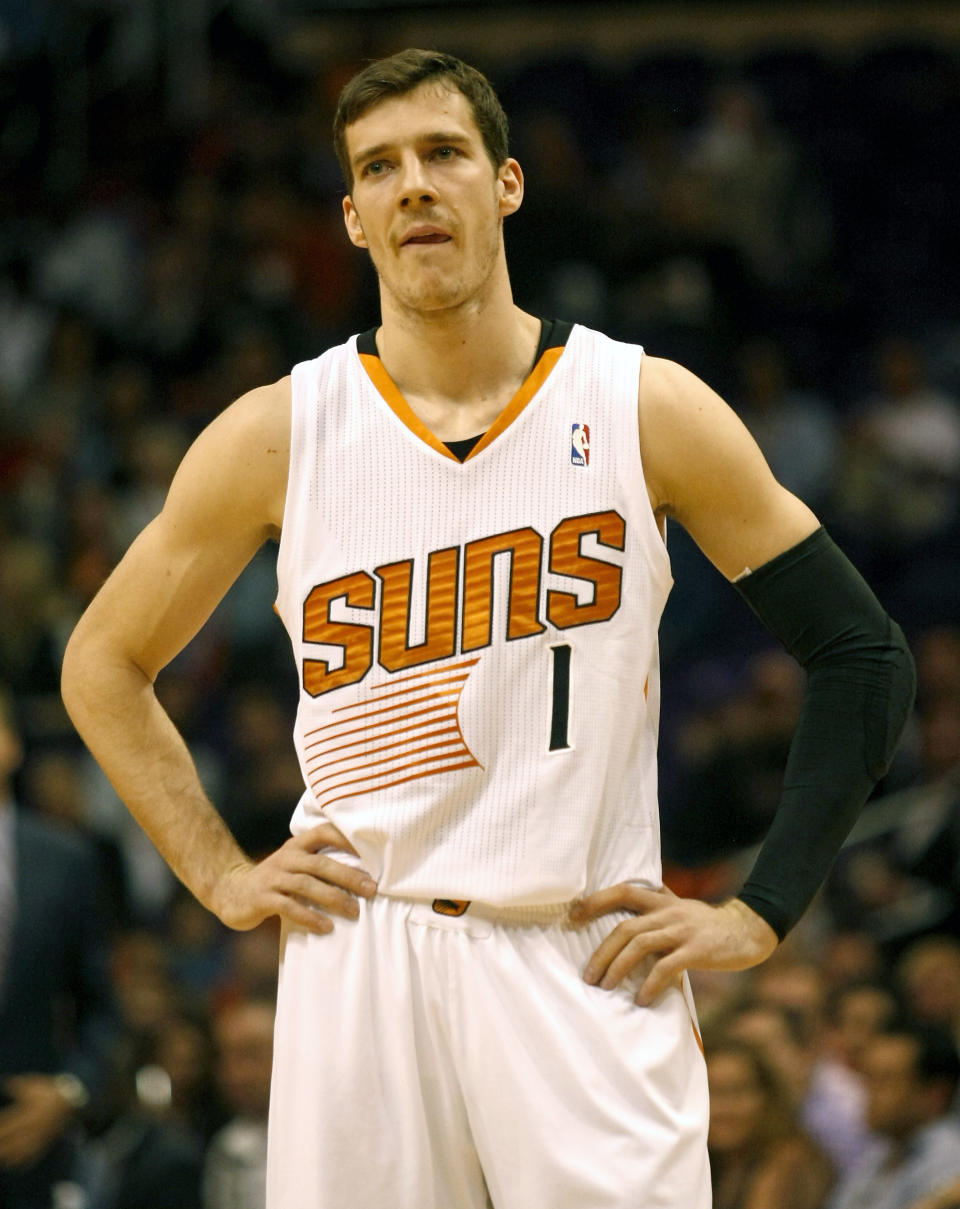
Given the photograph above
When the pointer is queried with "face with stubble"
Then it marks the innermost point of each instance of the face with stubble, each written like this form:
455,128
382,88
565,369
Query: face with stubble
899,1101
426,200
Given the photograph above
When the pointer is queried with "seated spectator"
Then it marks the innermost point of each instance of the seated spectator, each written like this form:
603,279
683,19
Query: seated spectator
929,975
856,1014
737,754
182,1047
912,1074
759,1156
58,1021
53,788
827,1096
765,199
848,956
902,469
235,1167
830,1096
144,1156
897,877
796,430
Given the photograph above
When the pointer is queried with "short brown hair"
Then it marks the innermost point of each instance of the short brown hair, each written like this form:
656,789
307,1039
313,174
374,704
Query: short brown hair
402,73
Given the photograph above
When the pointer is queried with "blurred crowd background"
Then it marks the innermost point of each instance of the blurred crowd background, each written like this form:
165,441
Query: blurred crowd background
776,212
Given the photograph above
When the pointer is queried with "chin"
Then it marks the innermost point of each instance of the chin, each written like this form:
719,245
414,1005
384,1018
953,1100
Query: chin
438,298
437,290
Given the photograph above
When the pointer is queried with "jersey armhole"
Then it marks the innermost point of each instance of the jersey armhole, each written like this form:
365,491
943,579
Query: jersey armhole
655,535
303,380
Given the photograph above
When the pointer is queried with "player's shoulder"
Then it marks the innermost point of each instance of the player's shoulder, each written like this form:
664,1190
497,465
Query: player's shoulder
265,409
241,457
675,404
667,384
684,425
255,424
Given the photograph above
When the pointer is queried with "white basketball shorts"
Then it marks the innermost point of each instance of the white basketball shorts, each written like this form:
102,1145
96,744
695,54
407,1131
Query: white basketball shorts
425,1061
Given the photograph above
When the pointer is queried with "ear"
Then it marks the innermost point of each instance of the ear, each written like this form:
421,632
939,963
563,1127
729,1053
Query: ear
352,221
510,187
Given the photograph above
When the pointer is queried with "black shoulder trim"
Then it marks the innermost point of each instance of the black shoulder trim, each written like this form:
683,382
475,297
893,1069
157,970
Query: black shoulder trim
554,333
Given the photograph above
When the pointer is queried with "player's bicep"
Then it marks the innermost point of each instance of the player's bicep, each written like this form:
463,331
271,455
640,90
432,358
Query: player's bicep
160,594
224,501
705,470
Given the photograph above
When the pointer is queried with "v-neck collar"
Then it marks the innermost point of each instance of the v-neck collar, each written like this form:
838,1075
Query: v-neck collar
554,334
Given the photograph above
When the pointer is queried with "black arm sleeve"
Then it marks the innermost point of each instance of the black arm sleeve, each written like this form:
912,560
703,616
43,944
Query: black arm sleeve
860,689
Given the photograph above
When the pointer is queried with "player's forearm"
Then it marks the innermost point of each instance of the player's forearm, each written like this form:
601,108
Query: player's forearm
114,708
860,689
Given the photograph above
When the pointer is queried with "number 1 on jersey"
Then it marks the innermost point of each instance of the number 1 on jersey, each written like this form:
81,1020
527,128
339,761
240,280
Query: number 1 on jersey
561,697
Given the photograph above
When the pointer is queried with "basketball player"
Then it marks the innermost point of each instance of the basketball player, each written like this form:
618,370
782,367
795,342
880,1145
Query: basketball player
470,504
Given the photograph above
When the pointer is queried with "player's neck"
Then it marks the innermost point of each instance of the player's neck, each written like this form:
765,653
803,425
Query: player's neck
458,368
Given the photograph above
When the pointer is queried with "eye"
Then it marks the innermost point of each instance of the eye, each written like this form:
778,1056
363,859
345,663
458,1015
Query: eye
445,152
374,168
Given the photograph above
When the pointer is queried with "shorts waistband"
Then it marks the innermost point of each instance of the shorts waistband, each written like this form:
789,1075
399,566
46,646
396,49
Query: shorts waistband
533,915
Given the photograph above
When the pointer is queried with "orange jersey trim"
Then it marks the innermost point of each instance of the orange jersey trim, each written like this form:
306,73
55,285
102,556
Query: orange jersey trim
375,751
417,713
541,372
363,730
366,765
416,776
390,393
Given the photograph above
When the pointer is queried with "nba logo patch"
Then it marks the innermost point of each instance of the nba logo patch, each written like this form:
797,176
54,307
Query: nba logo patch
580,445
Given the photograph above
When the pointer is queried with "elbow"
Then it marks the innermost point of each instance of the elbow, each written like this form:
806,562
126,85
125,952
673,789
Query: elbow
76,673
82,673
99,676
906,672
902,674
899,695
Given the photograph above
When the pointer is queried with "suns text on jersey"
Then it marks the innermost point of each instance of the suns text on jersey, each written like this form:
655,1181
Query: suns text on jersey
459,605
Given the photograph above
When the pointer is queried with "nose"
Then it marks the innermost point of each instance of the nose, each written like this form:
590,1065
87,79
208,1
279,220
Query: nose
415,185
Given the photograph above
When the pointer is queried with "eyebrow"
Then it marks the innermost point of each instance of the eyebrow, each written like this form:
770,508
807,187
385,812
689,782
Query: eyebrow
437,136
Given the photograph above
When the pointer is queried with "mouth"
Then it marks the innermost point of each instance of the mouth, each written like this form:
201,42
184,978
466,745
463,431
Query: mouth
420,236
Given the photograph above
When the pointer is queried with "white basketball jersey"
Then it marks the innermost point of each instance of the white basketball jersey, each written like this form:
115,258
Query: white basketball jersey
477,641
